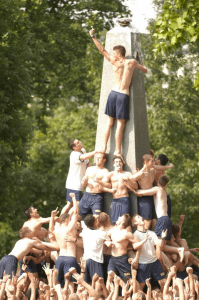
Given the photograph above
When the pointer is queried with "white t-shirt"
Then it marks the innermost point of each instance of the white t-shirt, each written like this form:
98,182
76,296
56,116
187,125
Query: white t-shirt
148,253
93,241
76,172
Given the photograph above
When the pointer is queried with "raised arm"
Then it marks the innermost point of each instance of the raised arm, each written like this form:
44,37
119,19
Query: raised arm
87,155
100,47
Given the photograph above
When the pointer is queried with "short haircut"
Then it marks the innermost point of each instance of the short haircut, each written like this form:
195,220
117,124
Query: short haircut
73,297
103,218
105,155
146,157
28,211
175,229
163,159
71,144
127,221
23,231
64,217
133,220
89,220
163,180
120,49
116,157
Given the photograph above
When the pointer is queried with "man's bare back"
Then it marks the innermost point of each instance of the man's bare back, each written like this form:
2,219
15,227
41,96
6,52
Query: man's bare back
123,72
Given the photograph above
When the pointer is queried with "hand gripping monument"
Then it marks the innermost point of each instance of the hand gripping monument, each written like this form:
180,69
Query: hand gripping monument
122,121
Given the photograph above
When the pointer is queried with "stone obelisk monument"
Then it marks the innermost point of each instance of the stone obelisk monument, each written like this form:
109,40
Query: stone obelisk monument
135,139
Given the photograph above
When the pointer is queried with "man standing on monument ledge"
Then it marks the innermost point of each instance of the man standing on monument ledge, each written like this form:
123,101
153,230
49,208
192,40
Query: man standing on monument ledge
117,106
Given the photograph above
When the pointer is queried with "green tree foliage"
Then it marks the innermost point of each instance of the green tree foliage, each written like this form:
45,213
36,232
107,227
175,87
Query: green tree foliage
44,51
174,128
177,25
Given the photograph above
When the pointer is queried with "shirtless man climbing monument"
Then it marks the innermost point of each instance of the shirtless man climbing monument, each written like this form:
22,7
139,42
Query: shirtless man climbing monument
117,106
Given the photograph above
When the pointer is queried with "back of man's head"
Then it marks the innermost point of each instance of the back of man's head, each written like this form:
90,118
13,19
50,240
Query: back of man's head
163,159
24,231
120,49
64,217
163,180
71,144
89,220
73,297
103,218
146,158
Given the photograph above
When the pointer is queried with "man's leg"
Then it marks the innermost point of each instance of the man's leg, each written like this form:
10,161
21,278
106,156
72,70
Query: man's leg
119,135
107,132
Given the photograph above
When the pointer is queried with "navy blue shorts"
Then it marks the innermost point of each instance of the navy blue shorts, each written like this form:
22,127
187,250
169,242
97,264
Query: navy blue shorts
120,206
93,267
164,223
169,206
9,264
182,275
153,270
146,207
78,195
117,105
63,264
90,203
120,266
31,267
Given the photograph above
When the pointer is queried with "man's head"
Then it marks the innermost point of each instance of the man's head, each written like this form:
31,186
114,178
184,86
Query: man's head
139,296
75,145
163,180
31,212
65,218
100,158
119,52
147,160
90,221
161,159
103,219
118,163
124,220
73,297
137,220
25,232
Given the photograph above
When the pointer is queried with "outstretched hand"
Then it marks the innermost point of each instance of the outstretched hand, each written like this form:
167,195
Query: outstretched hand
92,32
164,234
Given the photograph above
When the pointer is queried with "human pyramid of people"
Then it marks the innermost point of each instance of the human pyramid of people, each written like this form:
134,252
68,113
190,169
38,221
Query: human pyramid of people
85,254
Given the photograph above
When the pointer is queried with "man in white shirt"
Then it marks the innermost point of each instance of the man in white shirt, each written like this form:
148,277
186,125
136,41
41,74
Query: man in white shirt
149,265
93,240
79,161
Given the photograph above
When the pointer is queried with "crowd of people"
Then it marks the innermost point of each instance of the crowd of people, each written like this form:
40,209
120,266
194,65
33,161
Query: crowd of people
87,254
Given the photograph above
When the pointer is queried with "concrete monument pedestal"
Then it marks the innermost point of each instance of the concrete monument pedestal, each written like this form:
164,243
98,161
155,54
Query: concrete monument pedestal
135,139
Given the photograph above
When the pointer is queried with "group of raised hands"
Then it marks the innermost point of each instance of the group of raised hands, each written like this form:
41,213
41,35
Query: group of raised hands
30,287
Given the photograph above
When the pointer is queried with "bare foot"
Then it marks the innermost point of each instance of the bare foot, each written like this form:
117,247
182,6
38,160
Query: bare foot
181,254
116,153
102,149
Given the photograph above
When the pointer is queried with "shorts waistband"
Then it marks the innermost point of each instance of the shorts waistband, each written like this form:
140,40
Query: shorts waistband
119,93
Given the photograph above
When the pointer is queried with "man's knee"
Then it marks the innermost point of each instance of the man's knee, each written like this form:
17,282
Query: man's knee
121,122
110,121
